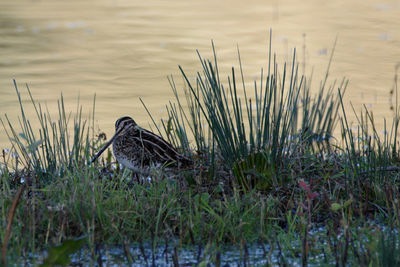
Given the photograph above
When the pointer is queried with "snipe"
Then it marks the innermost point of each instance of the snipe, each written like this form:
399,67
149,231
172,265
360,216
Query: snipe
138,149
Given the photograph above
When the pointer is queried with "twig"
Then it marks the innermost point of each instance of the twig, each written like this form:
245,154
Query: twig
143,251
175,257
10,218
281,258
166,249
99,256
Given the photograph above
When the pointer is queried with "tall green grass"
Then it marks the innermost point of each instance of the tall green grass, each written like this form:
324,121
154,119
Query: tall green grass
253,131
61,144
251,135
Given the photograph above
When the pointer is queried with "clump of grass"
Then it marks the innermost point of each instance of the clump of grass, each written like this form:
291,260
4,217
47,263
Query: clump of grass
253,135
267,171
54,150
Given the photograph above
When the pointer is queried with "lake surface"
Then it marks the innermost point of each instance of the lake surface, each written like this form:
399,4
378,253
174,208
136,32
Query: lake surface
121,50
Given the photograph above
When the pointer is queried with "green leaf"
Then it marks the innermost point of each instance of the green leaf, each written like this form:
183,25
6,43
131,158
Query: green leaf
191,181
34,146
59,255
23,136
205,197
336,206
348,202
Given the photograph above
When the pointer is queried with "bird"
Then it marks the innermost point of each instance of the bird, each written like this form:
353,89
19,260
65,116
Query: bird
138,149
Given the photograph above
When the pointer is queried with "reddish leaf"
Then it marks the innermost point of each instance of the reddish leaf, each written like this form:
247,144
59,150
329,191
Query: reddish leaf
312,195
304,186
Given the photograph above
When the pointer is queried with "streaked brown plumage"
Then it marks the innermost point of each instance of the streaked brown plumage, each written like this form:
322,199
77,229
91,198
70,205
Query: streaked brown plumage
138,149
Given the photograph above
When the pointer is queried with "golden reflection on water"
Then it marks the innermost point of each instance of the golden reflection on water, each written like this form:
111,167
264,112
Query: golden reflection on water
121,50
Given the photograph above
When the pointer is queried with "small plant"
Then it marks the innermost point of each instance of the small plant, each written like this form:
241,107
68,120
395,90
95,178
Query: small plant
59,255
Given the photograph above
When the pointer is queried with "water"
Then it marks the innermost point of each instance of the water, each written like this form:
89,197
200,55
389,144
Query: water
284,250
121,50
232,256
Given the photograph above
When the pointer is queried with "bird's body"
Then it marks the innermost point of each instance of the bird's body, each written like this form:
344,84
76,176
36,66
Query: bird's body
138,149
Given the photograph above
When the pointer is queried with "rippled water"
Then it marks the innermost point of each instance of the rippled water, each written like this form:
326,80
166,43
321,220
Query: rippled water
121,50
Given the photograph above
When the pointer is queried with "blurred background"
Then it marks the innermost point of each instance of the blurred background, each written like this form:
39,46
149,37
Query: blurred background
121,50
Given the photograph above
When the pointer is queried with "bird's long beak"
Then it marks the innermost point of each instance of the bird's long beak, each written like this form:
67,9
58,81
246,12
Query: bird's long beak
104,147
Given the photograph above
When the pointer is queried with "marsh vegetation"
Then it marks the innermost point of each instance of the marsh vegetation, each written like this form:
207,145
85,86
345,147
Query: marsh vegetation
269,170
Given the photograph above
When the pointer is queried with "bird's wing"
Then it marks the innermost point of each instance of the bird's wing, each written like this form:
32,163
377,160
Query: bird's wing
156,145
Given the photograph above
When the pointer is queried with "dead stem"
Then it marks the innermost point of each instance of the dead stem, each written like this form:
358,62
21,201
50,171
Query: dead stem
11,214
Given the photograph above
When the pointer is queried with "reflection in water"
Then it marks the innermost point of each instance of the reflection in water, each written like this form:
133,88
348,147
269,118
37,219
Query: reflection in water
123,49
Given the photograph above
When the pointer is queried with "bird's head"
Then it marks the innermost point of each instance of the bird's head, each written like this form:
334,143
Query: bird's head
121,125
124,123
